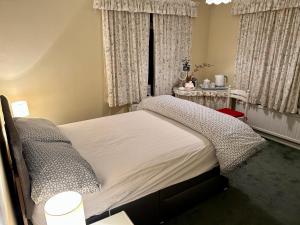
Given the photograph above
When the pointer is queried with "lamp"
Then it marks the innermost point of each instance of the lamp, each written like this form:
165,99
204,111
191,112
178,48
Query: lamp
20,109
65,208
217,2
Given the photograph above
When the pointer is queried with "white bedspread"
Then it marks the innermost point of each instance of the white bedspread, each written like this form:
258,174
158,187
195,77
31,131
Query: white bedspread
135,154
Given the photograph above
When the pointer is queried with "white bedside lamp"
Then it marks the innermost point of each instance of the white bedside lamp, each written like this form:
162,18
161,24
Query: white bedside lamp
20,109
65,208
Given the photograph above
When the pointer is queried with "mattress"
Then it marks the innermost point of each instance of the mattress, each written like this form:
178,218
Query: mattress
135,154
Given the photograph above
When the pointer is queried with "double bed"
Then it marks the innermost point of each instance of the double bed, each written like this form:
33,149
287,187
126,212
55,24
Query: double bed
149,165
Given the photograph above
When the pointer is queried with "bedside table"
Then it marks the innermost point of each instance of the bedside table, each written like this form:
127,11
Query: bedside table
116,219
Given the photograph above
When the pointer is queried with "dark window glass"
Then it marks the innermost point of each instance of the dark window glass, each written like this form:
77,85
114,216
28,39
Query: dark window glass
151,57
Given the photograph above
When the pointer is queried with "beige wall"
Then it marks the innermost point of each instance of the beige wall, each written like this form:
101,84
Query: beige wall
51,54
222,41
200,26
215,39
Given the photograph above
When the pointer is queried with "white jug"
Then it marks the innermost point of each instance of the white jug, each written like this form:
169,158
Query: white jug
206,83
221,80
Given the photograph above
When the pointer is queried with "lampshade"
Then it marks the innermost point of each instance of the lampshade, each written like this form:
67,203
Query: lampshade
20,109
65,208
217,2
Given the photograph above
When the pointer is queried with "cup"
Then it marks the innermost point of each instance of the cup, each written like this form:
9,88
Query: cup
206,83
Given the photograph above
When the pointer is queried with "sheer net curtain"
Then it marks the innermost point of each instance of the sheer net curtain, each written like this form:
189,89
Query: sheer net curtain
268,59
172,43
126,47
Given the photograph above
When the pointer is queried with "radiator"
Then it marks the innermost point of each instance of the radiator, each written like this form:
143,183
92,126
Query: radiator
283,126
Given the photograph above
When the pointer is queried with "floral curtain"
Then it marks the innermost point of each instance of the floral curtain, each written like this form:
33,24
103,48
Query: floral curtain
240,7
172,43
166,7
268,59
126,47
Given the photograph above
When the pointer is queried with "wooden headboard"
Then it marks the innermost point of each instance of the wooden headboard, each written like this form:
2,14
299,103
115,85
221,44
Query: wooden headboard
9,175
15,166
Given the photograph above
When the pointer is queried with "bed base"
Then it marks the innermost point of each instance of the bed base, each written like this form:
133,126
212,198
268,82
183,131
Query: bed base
162,205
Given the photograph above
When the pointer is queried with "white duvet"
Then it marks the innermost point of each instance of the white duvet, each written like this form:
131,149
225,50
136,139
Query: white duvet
135,154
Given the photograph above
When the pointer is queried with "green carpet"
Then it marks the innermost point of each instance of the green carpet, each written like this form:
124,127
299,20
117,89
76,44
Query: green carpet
265,191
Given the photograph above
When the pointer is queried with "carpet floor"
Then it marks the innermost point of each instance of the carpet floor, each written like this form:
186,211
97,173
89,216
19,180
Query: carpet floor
265,191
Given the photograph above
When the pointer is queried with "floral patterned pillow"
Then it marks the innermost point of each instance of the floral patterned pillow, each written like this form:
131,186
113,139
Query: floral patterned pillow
39,130
56,167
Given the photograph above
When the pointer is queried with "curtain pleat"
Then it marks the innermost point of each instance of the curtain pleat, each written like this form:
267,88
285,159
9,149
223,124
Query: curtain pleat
172,43
268,58
167,7
126,47
240,7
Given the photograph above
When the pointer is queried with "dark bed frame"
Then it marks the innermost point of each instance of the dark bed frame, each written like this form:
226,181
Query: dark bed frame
152,209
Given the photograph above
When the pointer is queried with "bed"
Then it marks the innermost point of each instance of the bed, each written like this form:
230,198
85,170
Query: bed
150,166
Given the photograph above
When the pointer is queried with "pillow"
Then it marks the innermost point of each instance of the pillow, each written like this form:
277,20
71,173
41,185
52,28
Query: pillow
39,130
56,167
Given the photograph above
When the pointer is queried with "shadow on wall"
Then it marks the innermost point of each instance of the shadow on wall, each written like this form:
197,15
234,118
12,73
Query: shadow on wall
1,210
222,41
30,31
51,56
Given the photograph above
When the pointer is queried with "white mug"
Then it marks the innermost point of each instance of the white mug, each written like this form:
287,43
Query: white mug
220,80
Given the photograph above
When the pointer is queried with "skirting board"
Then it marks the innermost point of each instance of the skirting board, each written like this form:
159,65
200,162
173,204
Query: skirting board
275,137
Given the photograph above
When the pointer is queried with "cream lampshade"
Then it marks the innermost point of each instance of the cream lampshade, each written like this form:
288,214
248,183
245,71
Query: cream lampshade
65,208
20,109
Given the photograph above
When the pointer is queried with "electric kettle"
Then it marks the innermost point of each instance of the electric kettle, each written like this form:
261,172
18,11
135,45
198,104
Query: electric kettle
221,80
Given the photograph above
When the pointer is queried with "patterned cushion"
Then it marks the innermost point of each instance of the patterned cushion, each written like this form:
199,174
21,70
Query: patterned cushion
56,167
39,130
